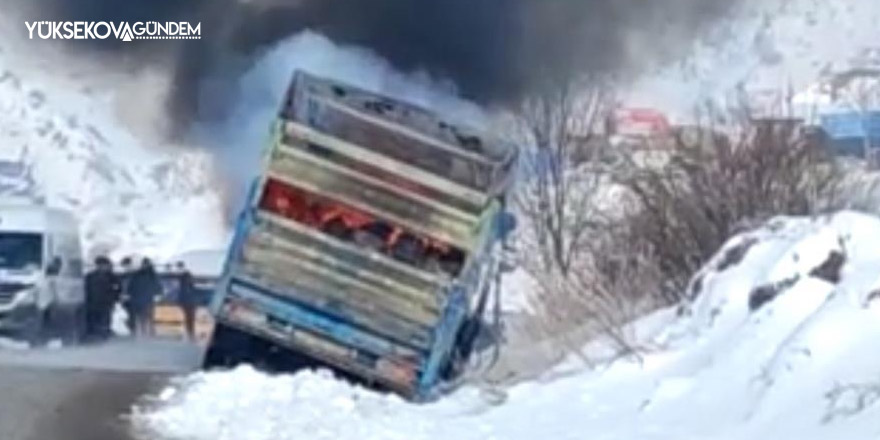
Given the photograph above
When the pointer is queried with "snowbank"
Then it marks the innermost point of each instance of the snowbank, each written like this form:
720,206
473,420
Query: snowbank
517,289
803,364
118,321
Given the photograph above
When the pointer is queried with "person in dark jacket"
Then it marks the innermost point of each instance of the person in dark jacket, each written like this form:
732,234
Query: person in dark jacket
187,298
143,287
102,292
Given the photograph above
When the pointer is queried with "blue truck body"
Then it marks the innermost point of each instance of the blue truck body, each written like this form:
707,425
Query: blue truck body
290,286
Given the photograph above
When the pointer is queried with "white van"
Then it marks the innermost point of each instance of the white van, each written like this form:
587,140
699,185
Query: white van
42,288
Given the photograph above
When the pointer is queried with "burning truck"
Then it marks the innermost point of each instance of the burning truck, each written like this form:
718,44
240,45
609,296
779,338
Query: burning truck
369,243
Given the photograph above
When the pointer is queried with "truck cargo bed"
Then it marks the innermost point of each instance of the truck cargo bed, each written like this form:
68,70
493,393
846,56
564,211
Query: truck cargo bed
366,238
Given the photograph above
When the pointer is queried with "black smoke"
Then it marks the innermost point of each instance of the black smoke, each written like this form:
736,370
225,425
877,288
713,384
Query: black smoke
493,50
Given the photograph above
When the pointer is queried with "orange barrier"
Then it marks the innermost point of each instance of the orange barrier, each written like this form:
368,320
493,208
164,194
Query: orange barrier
168,319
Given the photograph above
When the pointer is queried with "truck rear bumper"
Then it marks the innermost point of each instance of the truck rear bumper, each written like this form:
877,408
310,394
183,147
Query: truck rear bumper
318,358
338,344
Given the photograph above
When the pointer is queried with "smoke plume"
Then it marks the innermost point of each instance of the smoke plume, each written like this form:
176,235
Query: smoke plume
226,86
493,50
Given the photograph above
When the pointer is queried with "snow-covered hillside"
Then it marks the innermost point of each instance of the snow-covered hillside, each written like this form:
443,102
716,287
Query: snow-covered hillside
769,49
780,342
64,142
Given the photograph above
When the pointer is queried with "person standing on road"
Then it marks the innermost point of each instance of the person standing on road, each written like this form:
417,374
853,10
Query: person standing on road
102,292
125,276
187,298
143,287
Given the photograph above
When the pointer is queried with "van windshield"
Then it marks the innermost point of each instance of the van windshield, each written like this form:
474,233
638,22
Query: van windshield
20,250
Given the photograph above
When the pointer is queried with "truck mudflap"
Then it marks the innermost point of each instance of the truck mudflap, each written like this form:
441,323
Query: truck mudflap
342,346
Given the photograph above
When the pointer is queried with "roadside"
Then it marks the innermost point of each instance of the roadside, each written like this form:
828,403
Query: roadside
120,355
43,404
85,392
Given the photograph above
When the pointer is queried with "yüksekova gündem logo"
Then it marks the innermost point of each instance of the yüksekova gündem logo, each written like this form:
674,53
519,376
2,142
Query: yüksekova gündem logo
103,30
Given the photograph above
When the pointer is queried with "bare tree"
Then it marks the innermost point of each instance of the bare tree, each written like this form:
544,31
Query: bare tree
586,287
613,240
560,127
703,195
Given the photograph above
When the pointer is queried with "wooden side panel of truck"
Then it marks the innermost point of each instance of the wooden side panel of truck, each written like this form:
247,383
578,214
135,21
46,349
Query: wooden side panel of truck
366,238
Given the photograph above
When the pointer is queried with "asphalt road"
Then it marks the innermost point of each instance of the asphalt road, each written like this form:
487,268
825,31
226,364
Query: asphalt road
41,404
84,393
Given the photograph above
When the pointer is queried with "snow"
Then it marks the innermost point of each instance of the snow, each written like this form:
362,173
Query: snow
517,289
12,344
68,143
804,365
768,49
118,321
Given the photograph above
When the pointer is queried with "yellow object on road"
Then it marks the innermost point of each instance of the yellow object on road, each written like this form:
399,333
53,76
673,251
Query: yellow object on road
169,322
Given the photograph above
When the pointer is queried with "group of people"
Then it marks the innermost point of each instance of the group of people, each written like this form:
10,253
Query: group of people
136,290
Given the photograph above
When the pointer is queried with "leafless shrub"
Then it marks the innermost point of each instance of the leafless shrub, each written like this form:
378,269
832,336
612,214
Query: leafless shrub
560,127
614,233
590,284
861,186
603,293
702,196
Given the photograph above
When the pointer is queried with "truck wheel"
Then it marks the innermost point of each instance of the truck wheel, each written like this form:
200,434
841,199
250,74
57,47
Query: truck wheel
453,367
227,349
463,349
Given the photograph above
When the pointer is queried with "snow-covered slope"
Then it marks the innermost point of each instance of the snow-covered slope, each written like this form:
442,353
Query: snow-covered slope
770,49
63,142
803,365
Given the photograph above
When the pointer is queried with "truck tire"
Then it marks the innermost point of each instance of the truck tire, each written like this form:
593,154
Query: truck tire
228,348
466,344
453,368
